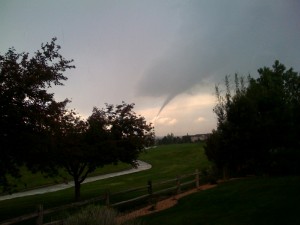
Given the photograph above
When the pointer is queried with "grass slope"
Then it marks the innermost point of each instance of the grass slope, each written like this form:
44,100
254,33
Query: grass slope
31,180
253,201
167,161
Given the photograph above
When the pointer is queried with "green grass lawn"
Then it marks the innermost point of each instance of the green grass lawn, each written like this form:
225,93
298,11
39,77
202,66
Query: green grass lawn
251,201
31,180
168,161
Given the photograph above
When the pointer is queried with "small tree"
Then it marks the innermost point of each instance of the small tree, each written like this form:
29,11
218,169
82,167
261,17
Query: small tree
108,136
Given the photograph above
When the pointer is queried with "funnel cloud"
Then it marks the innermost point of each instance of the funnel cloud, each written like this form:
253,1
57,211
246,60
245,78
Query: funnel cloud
164,56
218,38
166,102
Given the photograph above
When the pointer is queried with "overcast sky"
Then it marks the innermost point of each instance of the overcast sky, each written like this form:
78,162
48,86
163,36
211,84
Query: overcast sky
162,55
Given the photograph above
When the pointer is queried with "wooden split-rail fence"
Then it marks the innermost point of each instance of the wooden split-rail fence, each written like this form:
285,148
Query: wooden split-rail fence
151,192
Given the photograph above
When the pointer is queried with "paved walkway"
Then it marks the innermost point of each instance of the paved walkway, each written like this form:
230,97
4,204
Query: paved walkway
142,166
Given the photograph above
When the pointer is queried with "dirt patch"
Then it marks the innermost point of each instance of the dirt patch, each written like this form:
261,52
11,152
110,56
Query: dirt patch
164,204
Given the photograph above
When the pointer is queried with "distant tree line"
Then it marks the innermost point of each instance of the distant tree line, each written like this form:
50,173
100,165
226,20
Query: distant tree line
171,139
41,133
258,124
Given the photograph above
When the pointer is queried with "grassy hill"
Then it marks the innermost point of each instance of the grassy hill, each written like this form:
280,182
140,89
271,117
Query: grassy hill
167,162
29,180
251,201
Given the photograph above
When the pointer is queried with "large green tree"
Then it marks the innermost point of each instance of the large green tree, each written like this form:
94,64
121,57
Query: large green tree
110,135
28,112
41,133
258,124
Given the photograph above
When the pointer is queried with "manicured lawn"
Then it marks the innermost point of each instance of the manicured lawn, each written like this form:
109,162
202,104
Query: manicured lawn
167,161
252,201
31,180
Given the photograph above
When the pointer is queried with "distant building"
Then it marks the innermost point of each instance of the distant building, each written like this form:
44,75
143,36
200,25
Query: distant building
199,137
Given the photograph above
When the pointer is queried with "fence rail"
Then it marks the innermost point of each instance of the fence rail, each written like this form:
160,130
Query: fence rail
152,190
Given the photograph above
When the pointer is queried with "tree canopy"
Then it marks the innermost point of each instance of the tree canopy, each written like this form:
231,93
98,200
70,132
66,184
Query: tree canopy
111,135
41,133
258,124
28,113
171,139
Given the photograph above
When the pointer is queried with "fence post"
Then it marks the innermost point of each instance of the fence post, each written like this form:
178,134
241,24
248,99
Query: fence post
39,220
151,198
178,185
107,198
150,190
197,178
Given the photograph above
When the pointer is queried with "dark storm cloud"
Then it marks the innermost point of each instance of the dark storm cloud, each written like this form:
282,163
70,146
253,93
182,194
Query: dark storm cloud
224,37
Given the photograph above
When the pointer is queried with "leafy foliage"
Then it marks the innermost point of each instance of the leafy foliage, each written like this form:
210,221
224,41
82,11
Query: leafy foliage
28,113
41,133
111,135
258,125
171,139
97,215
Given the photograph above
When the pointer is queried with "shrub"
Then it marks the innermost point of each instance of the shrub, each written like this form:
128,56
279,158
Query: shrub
210,174
97,215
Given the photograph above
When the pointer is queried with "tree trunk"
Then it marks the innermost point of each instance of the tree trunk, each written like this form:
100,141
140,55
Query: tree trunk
77,190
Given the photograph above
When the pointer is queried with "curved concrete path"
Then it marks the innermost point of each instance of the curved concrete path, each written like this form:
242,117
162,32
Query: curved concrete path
141,166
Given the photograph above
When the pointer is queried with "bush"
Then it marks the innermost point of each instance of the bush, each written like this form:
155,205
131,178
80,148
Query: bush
210,174
97,215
